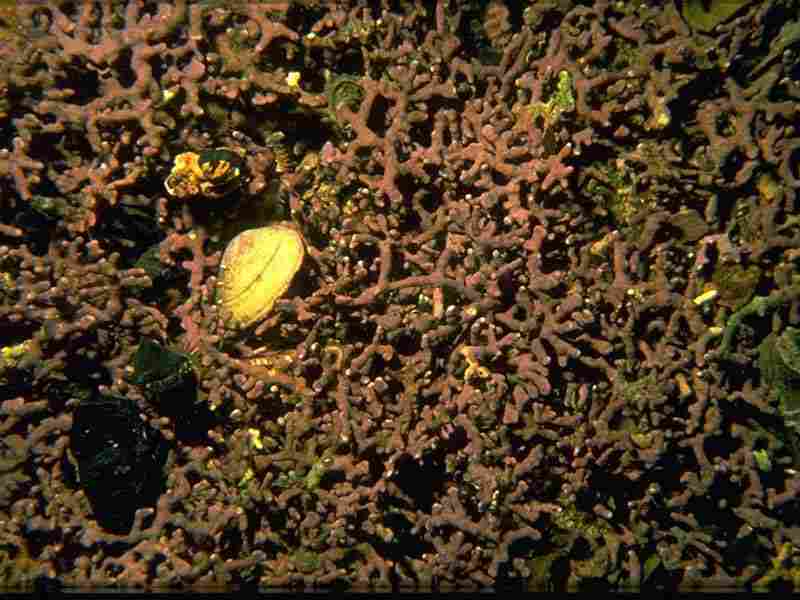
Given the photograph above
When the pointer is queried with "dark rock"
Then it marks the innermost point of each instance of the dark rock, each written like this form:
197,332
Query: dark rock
159,369
120,460
169,381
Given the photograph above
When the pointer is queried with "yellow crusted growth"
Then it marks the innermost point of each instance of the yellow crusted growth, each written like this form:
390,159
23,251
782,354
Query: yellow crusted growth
706,296
212,173
214,170
255,439
474,369
186,162
184,179
293,79
248,475
16,351
10,356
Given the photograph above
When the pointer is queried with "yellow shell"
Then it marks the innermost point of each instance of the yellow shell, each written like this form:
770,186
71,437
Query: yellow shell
256,269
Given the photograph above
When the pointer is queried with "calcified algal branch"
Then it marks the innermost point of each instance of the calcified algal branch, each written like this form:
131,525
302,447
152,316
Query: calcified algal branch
542,330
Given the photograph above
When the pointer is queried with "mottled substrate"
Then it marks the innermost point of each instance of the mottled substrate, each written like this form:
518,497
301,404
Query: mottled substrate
546,331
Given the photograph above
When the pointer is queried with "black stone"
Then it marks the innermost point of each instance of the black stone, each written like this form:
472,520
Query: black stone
158,369
120,460
169,381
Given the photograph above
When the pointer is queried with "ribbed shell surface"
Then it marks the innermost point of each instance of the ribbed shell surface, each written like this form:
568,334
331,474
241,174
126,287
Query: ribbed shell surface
256,269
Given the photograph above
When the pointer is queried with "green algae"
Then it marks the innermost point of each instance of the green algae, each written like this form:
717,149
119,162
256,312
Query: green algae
561,100
758,306
704,15
735,283
779,362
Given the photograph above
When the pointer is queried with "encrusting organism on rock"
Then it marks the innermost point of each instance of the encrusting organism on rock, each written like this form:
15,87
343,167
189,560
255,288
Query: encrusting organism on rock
211,174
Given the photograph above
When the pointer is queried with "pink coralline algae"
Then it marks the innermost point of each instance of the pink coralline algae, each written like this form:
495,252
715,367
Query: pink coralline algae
544,333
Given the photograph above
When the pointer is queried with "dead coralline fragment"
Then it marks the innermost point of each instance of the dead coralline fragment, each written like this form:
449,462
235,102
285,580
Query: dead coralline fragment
257,268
